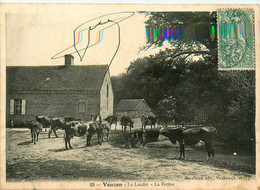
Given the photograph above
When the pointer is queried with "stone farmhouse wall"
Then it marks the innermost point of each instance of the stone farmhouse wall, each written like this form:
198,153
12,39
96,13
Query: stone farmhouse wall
54,103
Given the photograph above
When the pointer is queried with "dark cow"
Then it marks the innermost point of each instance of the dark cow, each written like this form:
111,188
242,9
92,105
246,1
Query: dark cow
57,123
152,135
148,120
35,128
73,128
135,138
97,128
111,119
126,121
191,136
141,136
47,123
70,125
60,123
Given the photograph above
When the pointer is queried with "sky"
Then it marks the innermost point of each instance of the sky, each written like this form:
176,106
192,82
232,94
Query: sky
33,38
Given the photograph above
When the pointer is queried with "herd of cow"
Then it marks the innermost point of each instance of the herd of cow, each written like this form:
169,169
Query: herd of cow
97,125
72,127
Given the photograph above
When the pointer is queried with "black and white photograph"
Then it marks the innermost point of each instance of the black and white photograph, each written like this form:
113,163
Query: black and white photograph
128,96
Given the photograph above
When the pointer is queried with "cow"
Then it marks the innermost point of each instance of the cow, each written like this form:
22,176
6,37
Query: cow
191,136
106,129
126,121
60,123
97,128
141,136
73,128
148,120
57,123
53,123
152,135
46,121
111,119
11,123
135,138
96,118
35,128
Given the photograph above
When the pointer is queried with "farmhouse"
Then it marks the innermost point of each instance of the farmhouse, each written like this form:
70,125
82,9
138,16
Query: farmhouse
133,108
58,91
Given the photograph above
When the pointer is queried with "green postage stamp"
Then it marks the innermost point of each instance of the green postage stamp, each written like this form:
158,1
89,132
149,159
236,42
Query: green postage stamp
236,39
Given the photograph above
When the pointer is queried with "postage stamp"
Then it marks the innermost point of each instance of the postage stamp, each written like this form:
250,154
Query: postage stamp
236,39
120,96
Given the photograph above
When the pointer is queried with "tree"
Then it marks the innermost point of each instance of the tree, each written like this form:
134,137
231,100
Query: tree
166,110
142,80
178,88
239,120
199,22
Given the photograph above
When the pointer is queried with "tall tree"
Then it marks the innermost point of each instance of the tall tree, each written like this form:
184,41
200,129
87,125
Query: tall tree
179,88
201,43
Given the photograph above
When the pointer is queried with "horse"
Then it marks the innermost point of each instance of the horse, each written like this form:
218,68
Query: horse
148,120
191,136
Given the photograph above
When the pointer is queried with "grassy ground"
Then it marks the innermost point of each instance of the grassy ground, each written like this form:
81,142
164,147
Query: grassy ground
49,160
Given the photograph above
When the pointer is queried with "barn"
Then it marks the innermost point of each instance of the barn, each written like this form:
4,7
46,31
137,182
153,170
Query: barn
59,91
133,108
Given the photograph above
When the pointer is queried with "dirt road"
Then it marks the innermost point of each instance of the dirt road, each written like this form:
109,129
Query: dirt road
49,160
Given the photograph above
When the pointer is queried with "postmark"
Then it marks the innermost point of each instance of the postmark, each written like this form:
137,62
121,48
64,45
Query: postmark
236,39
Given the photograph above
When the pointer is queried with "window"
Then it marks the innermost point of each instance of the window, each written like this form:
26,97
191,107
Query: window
82,107
17,106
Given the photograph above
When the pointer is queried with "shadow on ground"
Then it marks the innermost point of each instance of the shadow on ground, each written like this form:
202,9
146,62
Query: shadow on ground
25,143
59,169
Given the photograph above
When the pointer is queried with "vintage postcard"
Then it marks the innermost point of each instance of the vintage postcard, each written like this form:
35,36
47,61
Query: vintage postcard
129,96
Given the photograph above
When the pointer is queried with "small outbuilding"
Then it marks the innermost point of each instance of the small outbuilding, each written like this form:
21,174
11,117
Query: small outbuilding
133,108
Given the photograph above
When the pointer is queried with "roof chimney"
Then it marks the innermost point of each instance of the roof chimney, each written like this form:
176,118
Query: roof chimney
69,60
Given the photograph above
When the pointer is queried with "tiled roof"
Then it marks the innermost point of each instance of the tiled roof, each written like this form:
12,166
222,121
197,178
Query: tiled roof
130,104
88,77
